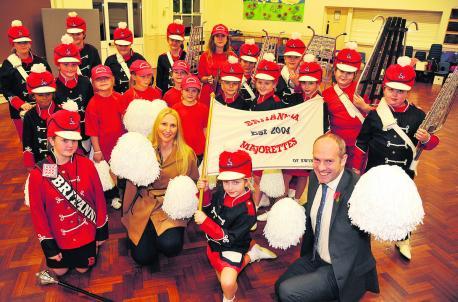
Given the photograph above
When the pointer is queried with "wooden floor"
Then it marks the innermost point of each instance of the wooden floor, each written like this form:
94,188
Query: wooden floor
430,276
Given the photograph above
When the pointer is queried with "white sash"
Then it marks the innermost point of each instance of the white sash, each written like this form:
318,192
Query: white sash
389,122
123,65
285,75
17,64
169,56
349,106
248,88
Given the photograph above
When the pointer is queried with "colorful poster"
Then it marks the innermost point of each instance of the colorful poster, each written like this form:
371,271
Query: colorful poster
274,10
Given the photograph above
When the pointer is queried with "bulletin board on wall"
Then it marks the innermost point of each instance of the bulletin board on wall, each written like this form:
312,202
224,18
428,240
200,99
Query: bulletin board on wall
274,10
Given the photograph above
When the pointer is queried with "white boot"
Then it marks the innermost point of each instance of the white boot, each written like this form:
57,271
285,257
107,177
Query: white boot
404,248
116,203
258,252
291,193
264,202
228,300
263,217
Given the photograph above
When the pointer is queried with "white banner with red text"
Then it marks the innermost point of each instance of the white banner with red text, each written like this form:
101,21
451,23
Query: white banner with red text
275,139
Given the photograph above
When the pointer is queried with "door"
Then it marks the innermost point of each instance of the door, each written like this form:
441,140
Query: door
335,24
111,13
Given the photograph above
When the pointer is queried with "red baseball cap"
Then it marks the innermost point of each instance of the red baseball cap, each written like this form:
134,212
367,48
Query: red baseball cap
220,29
141,67
234,165
191,81
181,65
101,71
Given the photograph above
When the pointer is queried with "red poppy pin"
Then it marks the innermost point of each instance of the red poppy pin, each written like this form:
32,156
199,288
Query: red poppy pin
337,197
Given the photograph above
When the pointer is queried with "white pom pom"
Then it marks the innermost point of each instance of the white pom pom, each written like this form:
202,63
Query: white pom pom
351,45
16,23
66,39
70,105
141,114
26,192
269,57
122,25
295,35
72,14
178,21
134,158
388,212
404,61
180,200
285,224
232,60
38,68
249,41
272,183
309,58
103,169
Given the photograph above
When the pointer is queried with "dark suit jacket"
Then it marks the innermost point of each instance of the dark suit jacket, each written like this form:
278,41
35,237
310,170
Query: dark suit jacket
350,248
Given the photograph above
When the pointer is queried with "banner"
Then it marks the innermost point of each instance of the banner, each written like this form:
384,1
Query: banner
275,139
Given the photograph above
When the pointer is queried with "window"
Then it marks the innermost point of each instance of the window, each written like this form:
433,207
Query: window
188,11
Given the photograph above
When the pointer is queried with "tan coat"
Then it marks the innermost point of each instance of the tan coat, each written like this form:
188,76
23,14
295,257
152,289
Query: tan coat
149,204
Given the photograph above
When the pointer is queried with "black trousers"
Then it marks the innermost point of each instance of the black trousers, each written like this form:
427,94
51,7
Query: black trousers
146,252
307,280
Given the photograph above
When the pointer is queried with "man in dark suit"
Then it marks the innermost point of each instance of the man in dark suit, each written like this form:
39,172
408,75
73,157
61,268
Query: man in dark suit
336,261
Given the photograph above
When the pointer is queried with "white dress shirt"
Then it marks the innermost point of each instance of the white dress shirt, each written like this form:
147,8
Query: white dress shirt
323,240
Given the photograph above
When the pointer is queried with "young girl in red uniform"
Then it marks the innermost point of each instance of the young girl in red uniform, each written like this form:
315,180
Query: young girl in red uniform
194,115
165,62
310,75
76,28
120,62
288,83
346,109
14,71
103,120
141,77
180,69
266,78
41,86
231,77
211,61
70,86
248,53
231,214
66,200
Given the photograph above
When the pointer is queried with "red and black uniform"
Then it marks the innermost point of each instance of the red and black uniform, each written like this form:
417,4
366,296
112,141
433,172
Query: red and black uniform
34,139
164,70
89,58
284,89
13,85
59,226
79,90
121,79
193,120
266,102
244,92
172,96
227,228
341,123
236,102
210,66
387,147
150,94
103,119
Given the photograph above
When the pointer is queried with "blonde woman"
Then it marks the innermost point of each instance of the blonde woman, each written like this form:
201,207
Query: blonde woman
149,229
